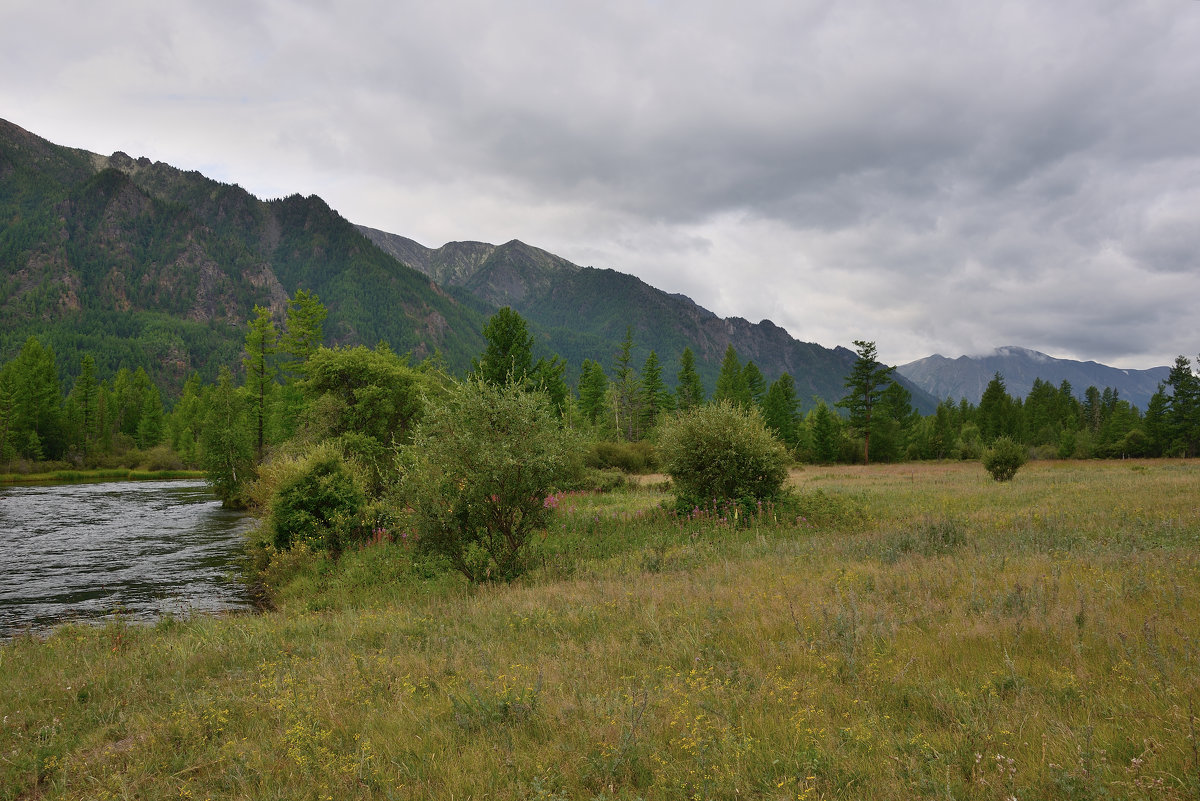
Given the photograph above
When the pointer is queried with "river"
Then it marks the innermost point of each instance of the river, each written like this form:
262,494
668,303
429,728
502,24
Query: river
137,549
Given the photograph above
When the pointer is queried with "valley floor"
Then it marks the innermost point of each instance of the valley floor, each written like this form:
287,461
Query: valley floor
911,631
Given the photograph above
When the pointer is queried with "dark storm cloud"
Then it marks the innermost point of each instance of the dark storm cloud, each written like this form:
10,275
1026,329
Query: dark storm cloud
936,176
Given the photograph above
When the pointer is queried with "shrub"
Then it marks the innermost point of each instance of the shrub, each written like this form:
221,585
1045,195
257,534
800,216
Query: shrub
1004,458
632,457
483,464
318,504
721,451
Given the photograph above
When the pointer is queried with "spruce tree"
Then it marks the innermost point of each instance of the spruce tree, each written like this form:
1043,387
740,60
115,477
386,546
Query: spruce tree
689,389
731,381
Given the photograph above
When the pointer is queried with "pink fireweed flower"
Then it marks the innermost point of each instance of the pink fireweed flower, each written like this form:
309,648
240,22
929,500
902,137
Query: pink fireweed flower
551,502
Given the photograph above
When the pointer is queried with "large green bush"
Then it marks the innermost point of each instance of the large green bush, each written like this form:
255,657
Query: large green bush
483,465
1004,458
722,452
317,502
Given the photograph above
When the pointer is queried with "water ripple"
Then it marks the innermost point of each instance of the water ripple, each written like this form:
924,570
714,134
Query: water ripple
140,549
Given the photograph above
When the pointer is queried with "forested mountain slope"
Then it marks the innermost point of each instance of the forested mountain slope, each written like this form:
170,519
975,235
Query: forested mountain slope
582,308
142,264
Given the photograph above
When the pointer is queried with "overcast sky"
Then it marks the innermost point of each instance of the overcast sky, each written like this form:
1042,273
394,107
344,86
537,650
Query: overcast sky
939,177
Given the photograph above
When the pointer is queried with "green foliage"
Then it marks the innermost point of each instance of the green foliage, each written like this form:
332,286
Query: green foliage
228,451
261,344
508,358
781,408
627,392
593,386
723,452
632,457
731,382
689,391
1004,458
866,383
825,428
483,464
303,331
318,505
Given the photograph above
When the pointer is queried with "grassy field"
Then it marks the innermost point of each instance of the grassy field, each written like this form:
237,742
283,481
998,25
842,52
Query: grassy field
905,631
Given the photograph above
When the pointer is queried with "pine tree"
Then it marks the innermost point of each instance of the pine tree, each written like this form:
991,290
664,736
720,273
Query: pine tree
150,426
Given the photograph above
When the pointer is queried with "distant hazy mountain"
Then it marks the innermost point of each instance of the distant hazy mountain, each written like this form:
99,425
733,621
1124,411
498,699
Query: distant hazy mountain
584,311
967,376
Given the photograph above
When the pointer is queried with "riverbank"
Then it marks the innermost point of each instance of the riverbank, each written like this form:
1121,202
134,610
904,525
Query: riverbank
915,630
108,474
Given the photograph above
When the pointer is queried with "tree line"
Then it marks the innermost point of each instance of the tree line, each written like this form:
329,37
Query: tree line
289,381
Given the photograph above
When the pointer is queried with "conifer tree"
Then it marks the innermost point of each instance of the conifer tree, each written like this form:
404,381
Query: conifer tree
303,330
756,383
689,389
731,381
593,386
866,382
87,395
508,358
780,409
626,391
656,398
261,344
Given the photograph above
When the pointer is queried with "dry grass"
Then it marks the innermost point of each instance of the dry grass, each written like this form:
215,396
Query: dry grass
933,635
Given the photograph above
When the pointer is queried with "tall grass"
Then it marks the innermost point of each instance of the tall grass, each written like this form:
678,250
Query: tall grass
915,631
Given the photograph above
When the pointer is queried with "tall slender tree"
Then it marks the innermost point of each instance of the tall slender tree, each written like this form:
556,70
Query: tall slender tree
689,389
261,344
866,383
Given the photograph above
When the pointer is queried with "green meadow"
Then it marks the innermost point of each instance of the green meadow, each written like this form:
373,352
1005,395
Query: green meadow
907,631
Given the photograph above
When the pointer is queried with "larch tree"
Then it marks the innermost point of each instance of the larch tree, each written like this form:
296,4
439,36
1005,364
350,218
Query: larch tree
261,344
866,383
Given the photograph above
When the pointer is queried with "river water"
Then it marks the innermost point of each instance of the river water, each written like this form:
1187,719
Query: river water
137,549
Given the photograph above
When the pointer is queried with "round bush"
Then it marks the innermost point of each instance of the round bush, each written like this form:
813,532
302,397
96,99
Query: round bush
317,504
1005,458
723,452
484,463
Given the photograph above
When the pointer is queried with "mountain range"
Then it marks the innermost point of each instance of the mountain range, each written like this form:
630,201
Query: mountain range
142,264
968,376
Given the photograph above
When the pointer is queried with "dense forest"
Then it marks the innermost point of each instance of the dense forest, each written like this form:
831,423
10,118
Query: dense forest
287,380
